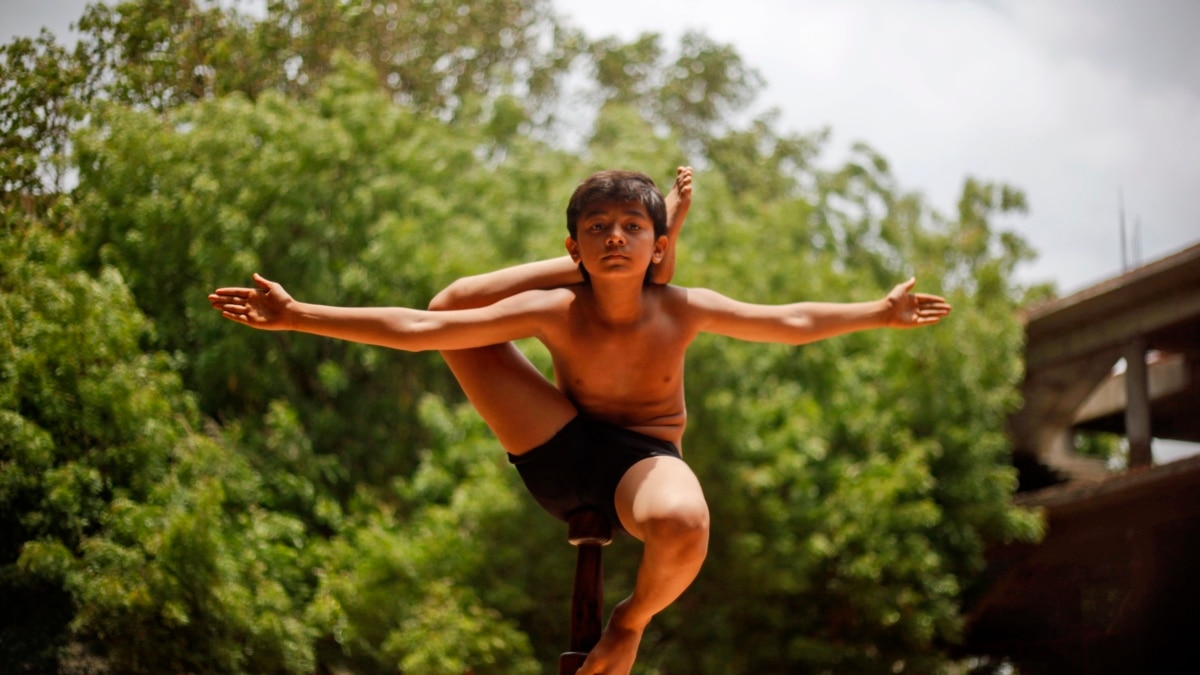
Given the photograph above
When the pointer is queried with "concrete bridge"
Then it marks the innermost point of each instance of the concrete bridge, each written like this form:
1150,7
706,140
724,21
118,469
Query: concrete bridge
1115,585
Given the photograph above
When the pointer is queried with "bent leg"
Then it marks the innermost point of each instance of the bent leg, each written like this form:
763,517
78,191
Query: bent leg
659,501
521,407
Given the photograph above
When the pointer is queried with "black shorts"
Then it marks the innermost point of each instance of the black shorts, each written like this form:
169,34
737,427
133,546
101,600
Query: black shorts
581,466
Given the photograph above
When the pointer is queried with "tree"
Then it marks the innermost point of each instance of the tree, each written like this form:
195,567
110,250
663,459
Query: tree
116,513
695,96
43,96
431,55
183,495
134,543
859,478
333,194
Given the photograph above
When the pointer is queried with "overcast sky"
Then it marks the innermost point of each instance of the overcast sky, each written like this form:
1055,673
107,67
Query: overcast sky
1074,101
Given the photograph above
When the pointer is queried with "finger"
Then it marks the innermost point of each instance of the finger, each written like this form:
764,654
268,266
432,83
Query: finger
926,299
908,285
935,305
263,283
233,292
931,303
226,299
230,308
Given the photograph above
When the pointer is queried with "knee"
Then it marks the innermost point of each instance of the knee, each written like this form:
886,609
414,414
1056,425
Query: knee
682,529
445,300
464,293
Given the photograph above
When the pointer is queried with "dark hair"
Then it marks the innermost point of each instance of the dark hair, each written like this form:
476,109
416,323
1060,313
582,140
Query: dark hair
618,186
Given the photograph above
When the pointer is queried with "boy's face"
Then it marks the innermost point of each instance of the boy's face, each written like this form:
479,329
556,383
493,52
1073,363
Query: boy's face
616,238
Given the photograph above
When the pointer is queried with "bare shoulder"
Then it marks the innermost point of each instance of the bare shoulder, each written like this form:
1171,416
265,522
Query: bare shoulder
695,300
708,311
694,305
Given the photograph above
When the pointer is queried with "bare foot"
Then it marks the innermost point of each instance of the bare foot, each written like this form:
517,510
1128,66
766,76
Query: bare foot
678,200
617,649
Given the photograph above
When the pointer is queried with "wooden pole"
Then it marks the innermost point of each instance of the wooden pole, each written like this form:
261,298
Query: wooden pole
1137,404
589,531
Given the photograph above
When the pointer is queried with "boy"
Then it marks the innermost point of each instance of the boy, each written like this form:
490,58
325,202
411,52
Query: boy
608,435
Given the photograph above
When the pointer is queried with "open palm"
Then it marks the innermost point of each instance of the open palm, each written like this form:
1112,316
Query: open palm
910,310
264,306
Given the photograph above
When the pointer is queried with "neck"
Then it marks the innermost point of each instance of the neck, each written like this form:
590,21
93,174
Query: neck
618,301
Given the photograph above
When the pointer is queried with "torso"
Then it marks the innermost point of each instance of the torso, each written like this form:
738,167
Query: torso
630,375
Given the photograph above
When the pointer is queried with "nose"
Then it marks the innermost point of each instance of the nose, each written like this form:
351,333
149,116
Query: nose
616,236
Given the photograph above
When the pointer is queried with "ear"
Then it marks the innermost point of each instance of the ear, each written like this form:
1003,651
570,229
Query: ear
660,249
572,249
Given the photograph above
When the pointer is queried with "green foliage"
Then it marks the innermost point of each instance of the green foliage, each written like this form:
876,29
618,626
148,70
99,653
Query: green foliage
110,498
155,549
396,586
854,482
1100,445
180,495
332,193
434,55
163,54
42,95
693,96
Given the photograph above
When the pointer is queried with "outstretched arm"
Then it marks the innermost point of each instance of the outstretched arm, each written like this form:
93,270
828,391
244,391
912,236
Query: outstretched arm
484,289
268,306
804,322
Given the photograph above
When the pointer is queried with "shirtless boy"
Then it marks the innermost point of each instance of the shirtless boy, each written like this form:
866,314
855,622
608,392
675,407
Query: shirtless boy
608,435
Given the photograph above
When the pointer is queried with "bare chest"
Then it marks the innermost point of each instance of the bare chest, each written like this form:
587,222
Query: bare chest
630,372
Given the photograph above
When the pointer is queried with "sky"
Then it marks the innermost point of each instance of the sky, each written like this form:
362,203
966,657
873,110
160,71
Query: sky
1092,107
1083,104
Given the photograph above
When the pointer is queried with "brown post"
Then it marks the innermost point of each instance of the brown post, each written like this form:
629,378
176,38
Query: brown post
590,531
1137,404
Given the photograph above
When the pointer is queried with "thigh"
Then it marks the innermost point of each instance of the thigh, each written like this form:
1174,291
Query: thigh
522,408
659,489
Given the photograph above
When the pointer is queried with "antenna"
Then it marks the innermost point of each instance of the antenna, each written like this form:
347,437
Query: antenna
1137,242
1121,221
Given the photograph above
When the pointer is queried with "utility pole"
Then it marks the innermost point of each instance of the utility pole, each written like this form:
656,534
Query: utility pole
1121,225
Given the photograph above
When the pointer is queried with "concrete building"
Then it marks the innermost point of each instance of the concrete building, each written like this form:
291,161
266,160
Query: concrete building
1115,585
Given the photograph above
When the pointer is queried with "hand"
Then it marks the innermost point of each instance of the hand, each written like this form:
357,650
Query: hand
263,307
910,310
